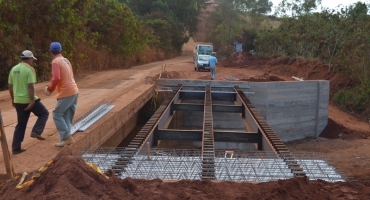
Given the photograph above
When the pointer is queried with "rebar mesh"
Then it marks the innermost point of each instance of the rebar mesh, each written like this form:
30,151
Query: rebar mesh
186,164
316,167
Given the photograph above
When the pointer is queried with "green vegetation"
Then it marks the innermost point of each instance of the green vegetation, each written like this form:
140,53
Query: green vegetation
339,38
233,20
95,34
105,34
172,22
224,26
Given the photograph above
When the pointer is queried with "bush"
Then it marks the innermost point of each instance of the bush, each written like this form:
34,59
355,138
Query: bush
356,100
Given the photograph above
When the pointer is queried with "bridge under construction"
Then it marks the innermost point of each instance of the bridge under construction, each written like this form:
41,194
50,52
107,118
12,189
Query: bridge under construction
235,128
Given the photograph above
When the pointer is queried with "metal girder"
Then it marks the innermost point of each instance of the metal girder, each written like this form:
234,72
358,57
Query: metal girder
240,137
203,87
215,108
196,135
208,149
217,96
272,138
146,131
179,135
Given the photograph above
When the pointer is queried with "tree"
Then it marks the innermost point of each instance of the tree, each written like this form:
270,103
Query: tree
296,7
226,24
116,28
256,9
173,22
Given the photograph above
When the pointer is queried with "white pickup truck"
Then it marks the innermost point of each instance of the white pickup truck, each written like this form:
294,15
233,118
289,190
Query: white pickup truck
202,51
203,48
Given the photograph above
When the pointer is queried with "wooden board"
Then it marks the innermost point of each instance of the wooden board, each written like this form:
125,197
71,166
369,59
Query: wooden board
6,154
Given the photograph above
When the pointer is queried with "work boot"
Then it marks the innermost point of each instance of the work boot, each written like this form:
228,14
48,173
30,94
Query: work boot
66,142
37,136
18,151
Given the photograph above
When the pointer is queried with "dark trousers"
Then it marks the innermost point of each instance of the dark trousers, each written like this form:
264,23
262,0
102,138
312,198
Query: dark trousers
38,110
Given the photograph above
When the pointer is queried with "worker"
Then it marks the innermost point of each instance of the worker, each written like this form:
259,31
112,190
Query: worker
212,65
66,93
22,79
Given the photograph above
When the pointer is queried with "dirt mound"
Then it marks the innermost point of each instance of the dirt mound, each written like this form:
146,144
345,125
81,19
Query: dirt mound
287,67
264,78
308,70
166,75
244,59
334,130
71,178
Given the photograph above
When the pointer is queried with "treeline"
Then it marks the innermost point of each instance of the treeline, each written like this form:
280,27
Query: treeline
95,34
339,38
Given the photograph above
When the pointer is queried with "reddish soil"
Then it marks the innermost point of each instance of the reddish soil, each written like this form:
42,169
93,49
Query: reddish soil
286,67
70,178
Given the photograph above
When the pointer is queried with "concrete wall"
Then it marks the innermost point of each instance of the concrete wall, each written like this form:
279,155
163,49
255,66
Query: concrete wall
120,120
122,132
294,110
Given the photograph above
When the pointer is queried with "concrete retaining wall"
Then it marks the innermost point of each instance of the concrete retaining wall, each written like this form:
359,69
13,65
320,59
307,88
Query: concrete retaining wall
294,110
115,125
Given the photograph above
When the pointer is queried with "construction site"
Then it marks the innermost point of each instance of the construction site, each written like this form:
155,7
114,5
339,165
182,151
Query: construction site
165,131
264,128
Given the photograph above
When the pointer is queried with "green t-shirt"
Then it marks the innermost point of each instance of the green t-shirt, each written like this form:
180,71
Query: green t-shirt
20,76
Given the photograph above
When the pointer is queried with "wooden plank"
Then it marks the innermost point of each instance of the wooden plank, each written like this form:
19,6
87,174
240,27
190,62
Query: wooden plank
6,154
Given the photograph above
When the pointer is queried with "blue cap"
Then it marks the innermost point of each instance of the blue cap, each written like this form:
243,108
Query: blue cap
55,47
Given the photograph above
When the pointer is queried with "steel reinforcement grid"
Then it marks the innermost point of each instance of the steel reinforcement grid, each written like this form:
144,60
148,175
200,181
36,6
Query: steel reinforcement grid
183,164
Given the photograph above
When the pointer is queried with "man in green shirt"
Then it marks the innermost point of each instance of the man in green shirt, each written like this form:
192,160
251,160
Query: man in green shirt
22,79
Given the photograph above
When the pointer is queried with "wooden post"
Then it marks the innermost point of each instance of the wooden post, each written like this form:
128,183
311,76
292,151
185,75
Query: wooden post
6,154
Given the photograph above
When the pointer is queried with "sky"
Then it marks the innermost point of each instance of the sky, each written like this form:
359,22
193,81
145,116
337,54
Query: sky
332,4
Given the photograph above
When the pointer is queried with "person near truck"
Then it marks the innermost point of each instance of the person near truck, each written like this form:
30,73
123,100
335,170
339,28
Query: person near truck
66,93
21,84
212,65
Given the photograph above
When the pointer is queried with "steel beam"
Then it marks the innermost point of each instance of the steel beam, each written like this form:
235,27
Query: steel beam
208,149
145,133
270,135
216,95
215,108
196,135
179,135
